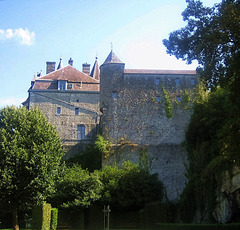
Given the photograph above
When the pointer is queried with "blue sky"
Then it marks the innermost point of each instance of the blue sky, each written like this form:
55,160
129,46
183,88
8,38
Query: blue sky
35,31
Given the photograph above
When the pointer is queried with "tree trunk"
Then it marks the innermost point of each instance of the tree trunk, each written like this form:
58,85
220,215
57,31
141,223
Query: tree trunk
15,219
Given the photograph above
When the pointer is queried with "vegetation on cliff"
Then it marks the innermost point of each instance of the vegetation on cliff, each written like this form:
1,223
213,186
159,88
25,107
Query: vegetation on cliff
212,37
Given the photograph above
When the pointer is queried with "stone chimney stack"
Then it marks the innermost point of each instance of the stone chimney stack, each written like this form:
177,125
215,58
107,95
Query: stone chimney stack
86,68
70,62
50,67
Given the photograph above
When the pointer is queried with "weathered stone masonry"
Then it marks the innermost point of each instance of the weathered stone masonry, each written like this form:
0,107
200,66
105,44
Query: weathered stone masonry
70,100
144,113
134,111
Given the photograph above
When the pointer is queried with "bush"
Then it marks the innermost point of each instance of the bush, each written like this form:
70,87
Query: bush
54,219
41,217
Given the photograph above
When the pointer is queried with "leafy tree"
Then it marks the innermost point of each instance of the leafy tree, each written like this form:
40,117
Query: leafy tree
90,159
30,157
77,188
212,37
129,186
213,147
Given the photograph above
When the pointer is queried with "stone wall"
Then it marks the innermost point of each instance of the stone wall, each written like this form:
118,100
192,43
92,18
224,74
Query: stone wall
67,121
135,110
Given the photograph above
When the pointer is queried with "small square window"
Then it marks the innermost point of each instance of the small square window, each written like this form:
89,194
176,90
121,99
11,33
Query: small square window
76,111
58,110
157,81
179,98
193,82
114,94
69,85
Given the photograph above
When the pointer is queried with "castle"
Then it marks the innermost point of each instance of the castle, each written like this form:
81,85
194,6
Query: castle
143,113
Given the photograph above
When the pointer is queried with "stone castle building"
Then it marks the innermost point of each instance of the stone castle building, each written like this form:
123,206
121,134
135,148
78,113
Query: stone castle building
70,100
143,113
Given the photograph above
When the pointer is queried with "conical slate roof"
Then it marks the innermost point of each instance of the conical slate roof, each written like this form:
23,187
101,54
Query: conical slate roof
112,58
95,70
60,65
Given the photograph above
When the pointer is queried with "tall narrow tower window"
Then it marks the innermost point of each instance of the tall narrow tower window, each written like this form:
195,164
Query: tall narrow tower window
157,81
114,94
58,110
76,111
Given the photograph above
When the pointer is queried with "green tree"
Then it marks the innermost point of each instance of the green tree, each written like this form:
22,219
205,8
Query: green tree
30,157
77,188
213,147
129,186
212,37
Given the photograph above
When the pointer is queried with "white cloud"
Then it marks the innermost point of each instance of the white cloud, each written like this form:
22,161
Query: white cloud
24,36
11,101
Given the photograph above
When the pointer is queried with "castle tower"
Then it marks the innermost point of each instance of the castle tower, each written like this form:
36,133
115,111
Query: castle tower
137,121
112,72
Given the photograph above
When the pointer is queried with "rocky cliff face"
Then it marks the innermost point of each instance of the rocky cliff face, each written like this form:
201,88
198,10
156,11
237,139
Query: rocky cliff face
228,198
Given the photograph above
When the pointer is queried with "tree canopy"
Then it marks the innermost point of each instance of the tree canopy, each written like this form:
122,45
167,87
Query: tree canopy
30,157
129,186
77,188
212,37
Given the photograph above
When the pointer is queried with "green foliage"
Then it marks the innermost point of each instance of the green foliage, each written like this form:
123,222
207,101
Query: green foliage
30,158
213,147
77,188
211,37
129,186
143,159
103,146
91,159
168,104
54,219
41,217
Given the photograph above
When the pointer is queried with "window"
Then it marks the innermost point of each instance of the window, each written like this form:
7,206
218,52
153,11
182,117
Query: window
193,81
62,85
114,94
76,111
157,98
177,82
58,110
81,132
157,81
179,98
70,86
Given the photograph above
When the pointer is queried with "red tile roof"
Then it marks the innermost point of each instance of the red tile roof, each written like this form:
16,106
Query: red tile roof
79,80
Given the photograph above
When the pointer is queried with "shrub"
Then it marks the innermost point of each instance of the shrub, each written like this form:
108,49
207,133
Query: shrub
41,217
54,219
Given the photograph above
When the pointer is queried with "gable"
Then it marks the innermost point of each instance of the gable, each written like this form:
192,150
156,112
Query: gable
75,80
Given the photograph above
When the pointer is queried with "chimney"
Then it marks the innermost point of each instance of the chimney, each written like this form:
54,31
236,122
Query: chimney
86,68
70,62
50,67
